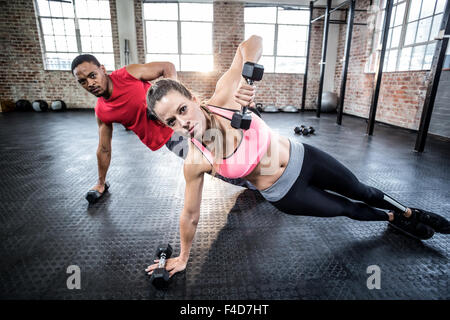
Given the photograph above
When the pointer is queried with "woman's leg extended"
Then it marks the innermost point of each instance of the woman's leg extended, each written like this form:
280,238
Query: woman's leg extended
329,174
312,201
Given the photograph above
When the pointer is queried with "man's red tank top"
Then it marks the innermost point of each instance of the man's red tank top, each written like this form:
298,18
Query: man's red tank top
127,105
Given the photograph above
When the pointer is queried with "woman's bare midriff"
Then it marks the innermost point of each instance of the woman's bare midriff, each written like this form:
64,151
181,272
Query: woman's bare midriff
271,166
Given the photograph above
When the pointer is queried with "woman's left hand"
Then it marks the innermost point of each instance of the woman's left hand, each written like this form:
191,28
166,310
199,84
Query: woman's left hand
245,95
173,265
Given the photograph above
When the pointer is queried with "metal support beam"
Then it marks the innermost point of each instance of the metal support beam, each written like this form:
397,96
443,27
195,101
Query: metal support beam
317,19
434,76
305,76
339,6
379,72
322,7
345,22
323,61
348,44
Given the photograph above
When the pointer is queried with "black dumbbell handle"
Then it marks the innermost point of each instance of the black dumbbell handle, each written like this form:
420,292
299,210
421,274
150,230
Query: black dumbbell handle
162,260
244,109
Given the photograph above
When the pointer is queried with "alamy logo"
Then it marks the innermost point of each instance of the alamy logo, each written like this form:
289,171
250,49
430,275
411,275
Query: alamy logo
74,280
374,281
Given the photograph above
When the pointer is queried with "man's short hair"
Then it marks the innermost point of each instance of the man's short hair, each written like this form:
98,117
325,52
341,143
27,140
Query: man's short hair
84,58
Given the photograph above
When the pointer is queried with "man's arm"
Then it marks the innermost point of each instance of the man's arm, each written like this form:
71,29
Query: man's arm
152,70
103,152
228,84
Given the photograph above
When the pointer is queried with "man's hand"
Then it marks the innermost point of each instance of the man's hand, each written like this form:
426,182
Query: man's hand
245,95
173,265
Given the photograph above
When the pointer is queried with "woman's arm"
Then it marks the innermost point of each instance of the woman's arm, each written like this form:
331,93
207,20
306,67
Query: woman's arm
227,86
193,173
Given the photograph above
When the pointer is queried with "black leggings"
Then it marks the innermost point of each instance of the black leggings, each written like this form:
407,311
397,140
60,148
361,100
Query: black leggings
321,172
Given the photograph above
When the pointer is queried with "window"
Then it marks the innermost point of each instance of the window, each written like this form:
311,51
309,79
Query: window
410,45
285,36
73,27
180,33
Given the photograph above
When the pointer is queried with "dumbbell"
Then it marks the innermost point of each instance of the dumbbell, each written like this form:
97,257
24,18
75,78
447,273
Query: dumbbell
309,130
160,276
303,130
251,72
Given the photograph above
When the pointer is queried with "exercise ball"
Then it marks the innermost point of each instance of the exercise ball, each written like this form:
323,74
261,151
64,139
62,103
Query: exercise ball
40,105
270,109
58,105
329,102
23,105
289,109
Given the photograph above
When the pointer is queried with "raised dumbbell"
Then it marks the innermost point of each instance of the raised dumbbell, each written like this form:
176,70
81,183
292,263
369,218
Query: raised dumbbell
251,72
160,276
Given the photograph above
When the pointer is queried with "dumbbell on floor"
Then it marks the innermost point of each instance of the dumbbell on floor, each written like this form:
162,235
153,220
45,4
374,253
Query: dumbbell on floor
310,129
303,130
160,276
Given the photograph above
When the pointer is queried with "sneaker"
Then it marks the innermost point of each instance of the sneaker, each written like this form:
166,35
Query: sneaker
437,222
411,226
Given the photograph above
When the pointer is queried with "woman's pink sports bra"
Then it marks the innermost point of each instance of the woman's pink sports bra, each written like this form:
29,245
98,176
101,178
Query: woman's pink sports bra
248,154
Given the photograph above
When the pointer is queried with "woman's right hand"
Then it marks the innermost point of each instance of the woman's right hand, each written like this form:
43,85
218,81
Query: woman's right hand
245,95
173,265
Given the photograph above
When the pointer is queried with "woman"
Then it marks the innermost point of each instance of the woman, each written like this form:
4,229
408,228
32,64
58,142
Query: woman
291,175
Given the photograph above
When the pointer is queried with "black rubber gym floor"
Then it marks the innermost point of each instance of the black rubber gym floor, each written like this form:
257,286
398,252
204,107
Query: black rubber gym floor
244,248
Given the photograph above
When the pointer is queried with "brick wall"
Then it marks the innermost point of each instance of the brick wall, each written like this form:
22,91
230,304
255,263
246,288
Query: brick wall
440,120
138,16
315,55
115,32
228,32
23,74
287,89
401,94
359,84
401,99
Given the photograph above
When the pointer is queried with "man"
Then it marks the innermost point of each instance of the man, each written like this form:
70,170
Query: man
122,99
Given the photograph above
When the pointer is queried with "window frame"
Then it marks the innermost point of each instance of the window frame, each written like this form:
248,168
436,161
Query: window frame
401,45
77,36
276,32
179,22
